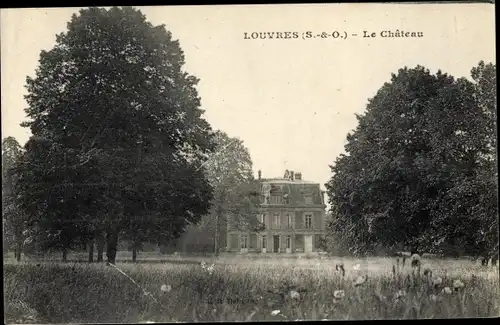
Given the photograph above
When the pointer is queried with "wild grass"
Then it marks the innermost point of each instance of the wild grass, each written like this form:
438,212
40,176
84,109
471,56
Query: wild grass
246,290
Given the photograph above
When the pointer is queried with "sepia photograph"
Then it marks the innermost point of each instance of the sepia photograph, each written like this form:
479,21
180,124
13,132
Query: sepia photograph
248,163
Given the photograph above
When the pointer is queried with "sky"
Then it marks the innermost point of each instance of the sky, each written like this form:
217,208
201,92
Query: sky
291,101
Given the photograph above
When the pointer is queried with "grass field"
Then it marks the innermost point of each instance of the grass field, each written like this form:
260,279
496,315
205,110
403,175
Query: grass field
242,289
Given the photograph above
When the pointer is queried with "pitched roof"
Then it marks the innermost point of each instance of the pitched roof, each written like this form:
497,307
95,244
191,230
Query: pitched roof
296,190
285,181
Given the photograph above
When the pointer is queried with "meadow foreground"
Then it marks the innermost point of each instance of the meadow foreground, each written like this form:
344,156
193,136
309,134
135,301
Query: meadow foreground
239,290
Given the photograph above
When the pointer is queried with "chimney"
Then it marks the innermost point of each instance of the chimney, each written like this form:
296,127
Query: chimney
298,176
259,173
292,175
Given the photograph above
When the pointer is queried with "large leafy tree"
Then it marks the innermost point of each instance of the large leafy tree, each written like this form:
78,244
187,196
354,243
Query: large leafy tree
118,132
485,79
229,170
422,137
467,214
12,217
60,213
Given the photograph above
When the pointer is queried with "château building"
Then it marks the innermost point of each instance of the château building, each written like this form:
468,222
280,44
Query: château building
292,212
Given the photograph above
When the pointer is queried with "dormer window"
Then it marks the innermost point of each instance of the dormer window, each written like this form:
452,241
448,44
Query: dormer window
308,199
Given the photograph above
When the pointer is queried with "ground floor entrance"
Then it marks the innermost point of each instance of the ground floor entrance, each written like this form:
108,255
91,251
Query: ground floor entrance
276,244
308,243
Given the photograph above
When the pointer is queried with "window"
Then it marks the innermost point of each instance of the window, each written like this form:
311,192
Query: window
276,221
308,199
308,220
244,242
289,222
264,242
288,242
262,219
276,199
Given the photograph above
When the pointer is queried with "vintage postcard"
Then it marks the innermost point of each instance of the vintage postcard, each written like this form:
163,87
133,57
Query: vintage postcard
249,163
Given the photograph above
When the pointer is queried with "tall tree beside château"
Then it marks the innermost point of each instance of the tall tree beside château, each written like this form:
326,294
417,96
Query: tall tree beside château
119,122
422,138
13,220
229,170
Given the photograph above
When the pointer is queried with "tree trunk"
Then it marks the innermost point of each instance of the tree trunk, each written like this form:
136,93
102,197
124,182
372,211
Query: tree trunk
135,246
100,247
64,254
19,244
216,248
19,249
111,245
90,245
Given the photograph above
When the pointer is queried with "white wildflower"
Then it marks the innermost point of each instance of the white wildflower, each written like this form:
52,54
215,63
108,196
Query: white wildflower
275,312
457,284
433,298
357,267
166,288
338,294
415,260
360,280
437,281
446,290
400,294
294,294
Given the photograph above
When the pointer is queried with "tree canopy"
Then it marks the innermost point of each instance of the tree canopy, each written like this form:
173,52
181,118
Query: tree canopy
420,168
229,171
118,134
13,220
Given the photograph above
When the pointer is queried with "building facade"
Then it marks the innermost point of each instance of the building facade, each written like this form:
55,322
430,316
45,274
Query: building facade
292,212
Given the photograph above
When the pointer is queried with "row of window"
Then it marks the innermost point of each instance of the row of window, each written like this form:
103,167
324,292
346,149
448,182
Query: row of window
284,199
263,242
289,220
